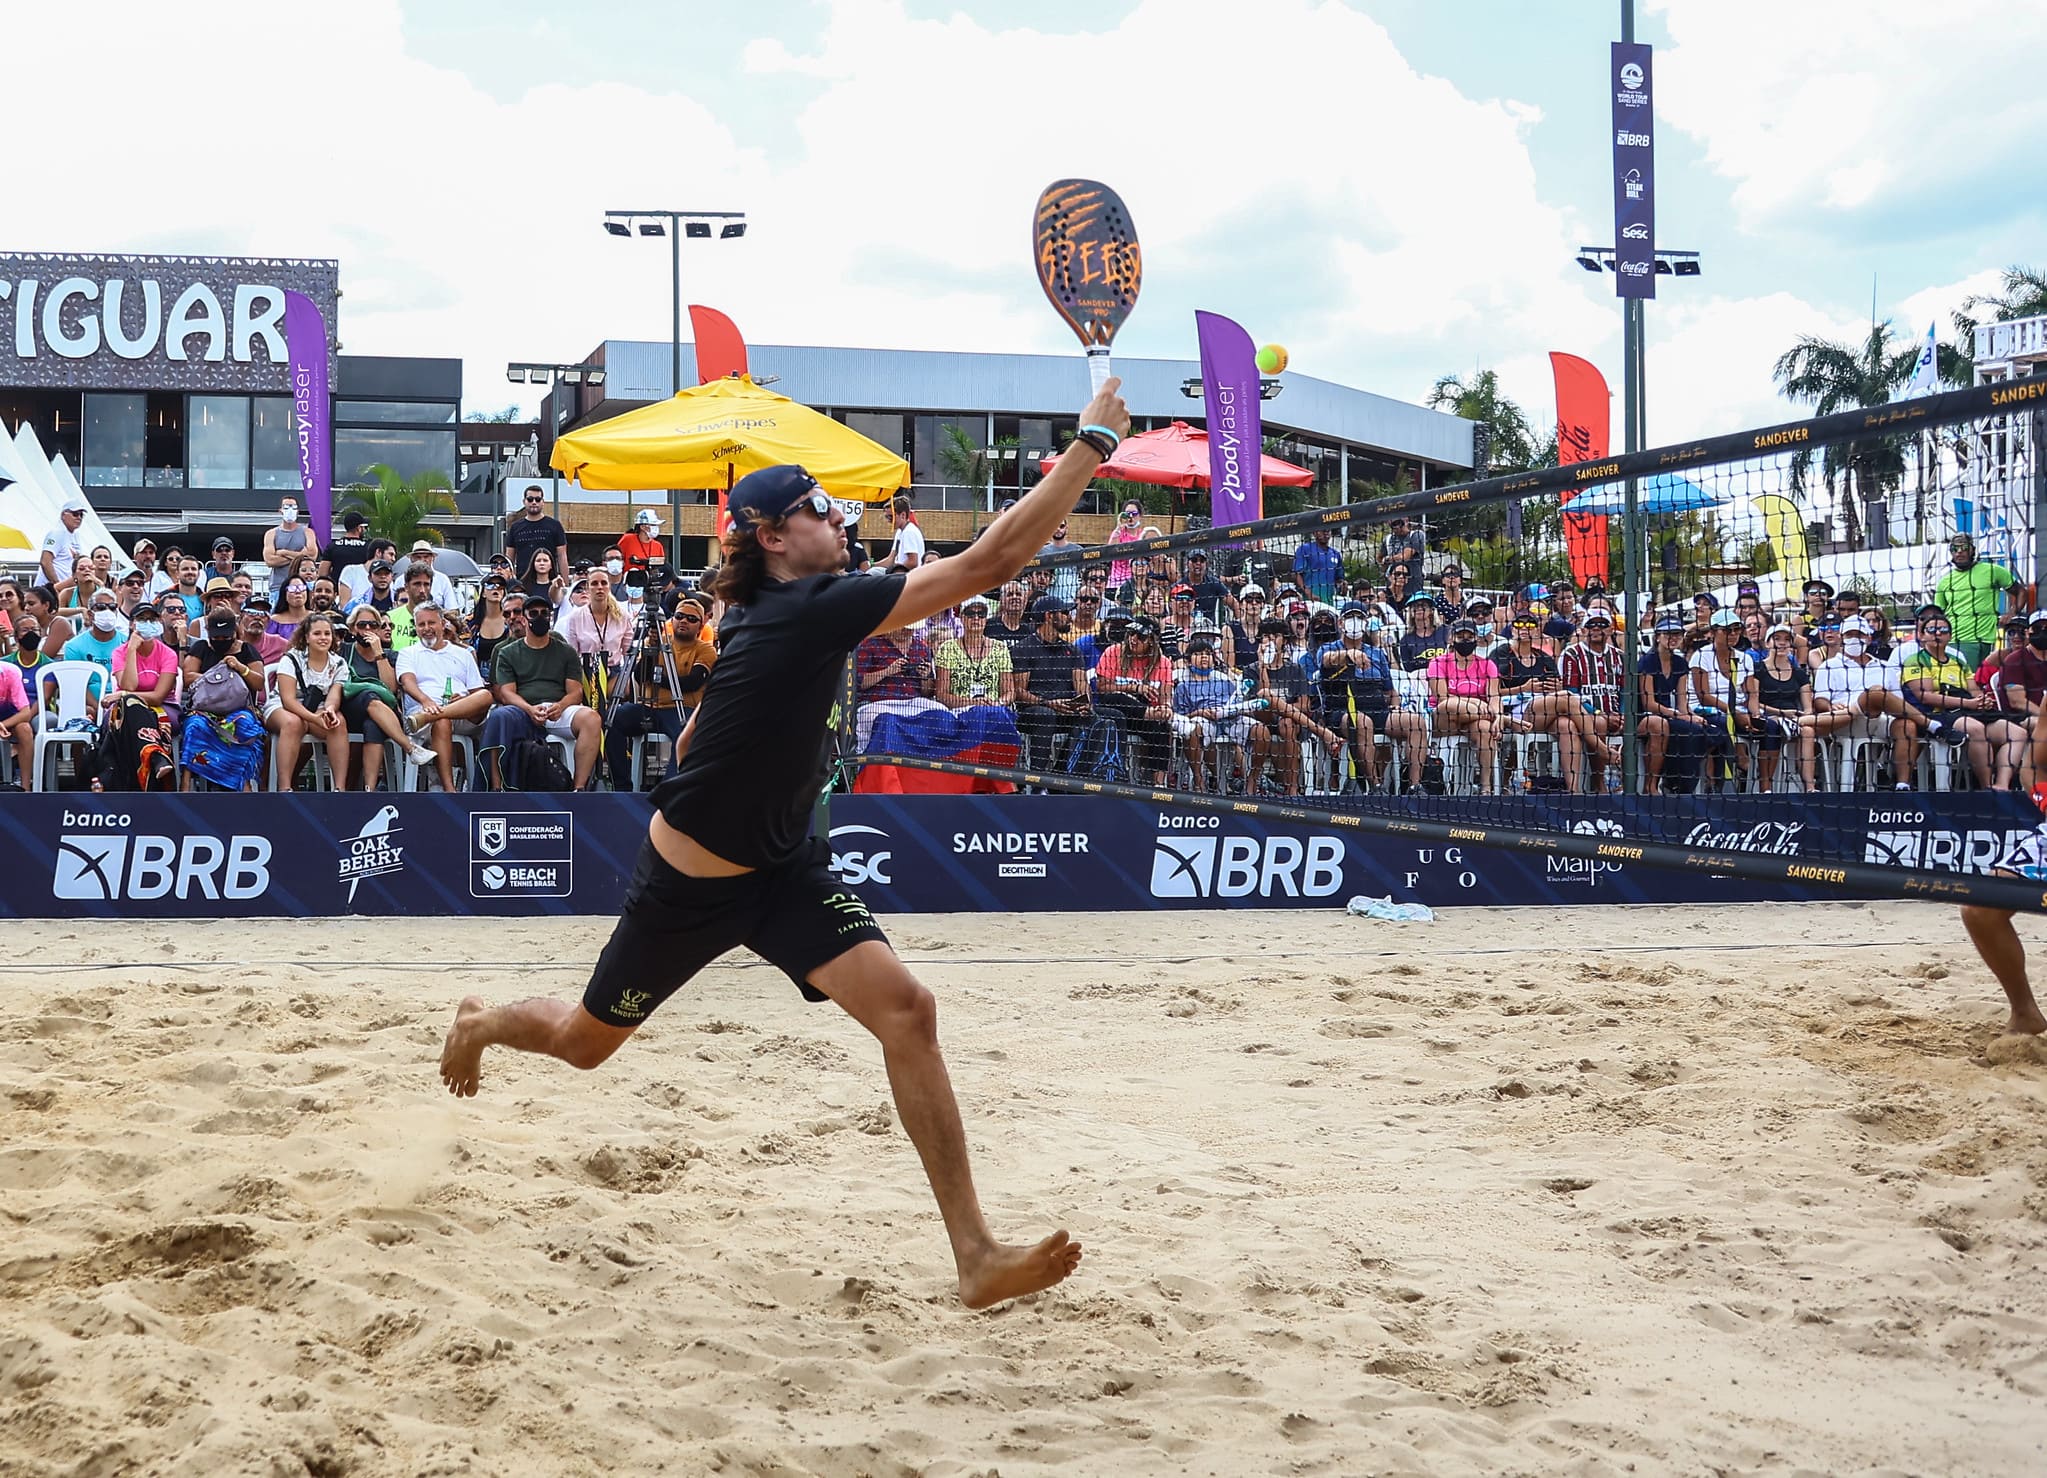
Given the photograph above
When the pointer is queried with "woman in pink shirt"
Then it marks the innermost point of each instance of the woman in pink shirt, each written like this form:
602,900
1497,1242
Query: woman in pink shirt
1466,690
1125,532
145,665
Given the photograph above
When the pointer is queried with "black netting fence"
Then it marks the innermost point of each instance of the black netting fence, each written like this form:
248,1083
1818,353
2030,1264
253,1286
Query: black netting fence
1833,606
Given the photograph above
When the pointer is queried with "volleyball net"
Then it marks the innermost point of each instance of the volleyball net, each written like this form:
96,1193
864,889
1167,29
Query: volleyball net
1657,651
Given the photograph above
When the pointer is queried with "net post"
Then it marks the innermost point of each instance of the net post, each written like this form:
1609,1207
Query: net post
2038,451
1631,544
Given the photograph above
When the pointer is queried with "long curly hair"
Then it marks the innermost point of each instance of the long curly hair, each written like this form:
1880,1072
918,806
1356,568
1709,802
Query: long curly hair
745,566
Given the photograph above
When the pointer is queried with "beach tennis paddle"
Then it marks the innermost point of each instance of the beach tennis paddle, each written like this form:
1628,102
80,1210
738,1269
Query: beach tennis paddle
1088,263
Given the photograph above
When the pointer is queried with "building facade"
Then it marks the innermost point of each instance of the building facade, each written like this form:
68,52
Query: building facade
974,428
162,381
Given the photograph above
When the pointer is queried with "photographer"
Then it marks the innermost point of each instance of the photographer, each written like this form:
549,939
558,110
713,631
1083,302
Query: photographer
649,707
893,664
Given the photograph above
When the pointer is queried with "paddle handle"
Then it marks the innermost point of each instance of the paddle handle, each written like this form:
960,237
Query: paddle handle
1097,366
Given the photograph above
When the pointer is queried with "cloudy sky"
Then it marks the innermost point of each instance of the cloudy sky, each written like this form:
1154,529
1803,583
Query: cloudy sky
1392,188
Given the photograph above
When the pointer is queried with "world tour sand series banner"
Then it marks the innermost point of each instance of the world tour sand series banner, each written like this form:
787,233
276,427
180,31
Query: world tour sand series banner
307,856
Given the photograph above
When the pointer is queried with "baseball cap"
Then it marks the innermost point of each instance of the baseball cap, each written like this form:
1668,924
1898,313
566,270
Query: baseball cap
76,505
223,542
1200,554
1723,619
258,601
973,603
220,585
768,493
1464,623
133,577
1780,626
1524,621
1600,618
647,516
380,566
1045,605
220,623
1256,590
145,608
1858,625
1143,625
1712,601
1477,603
1419,599
1183,591
1114,612
1819,587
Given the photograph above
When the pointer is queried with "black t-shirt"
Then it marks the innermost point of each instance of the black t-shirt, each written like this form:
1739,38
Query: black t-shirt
1416,650
1051,665
211,656
524,535
1781,692
1009,638
1664,687
761,748
342,553
1283,677
1516,675
1209,596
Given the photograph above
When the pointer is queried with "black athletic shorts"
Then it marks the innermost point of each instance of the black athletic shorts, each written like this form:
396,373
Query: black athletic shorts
796,917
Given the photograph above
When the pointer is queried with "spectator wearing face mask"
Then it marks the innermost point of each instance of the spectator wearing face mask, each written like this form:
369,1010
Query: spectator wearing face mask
641,549
102,635
285,543
1356,682
17,719
538,682
1465,688
145,665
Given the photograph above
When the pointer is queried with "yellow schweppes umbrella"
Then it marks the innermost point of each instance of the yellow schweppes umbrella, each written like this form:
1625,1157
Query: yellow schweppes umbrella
710,436
1785,527
12,538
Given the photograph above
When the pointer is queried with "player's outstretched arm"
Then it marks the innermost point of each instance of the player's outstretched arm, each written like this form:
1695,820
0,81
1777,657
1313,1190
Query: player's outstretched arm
1017,535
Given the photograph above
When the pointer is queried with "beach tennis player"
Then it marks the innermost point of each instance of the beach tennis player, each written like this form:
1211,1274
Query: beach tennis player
1997,941
729,858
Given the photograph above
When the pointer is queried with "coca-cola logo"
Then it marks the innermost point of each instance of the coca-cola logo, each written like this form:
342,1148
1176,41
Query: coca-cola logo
1777,838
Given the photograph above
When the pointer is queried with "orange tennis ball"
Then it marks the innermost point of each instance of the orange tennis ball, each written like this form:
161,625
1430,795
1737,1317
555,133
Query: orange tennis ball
1272,359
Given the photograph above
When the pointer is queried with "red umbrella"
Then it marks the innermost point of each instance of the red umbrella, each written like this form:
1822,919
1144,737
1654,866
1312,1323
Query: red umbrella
1176,456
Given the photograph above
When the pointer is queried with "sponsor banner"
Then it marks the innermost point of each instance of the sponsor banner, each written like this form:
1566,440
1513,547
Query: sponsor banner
305,334
1584,418
1230,389
99,322
1634,172
85,856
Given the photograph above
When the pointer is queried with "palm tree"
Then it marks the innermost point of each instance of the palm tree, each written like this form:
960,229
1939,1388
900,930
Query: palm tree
2024,295
1834,377
1507,435
398,507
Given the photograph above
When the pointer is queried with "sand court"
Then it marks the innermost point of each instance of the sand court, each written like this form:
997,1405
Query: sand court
1587,1191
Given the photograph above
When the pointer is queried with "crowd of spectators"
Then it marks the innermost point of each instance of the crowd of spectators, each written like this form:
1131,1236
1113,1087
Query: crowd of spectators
1259,669
321,664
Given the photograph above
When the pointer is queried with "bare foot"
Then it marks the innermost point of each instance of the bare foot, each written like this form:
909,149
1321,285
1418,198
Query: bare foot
462,1054
1011,1272
2028,1023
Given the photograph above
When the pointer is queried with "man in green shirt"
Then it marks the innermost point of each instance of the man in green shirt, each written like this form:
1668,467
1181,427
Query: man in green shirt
1969,594
538,682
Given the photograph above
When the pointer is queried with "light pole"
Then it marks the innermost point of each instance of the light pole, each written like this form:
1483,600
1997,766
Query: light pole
676,224
521,371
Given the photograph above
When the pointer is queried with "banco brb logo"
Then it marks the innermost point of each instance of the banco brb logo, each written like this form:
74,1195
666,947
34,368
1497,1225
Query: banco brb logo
1241,867
103,867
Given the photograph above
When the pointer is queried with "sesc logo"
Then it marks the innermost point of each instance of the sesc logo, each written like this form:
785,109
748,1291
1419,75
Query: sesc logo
1239,867
854,868
109,866
1636,232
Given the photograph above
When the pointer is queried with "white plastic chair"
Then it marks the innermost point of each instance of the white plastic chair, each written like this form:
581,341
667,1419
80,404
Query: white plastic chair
75,685
637,761
411,772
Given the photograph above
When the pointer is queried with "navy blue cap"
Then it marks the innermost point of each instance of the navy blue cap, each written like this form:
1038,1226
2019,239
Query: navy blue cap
1669,623
768,493
1352,607
1045,605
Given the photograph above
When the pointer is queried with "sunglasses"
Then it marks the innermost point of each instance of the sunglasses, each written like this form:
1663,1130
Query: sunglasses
1931,630
1089,600
684,616
1130,513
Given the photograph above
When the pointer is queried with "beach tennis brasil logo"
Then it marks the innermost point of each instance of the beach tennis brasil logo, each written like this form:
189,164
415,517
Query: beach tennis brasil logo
1241,866
105,861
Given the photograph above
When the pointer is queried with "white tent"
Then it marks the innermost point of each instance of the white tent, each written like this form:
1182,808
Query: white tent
39,489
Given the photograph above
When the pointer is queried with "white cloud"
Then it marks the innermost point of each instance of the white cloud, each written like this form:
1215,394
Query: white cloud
1937,305
1381,223
1846,107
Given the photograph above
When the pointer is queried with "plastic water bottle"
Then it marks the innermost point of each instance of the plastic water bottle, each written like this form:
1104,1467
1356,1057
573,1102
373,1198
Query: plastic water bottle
1613,779
1519,784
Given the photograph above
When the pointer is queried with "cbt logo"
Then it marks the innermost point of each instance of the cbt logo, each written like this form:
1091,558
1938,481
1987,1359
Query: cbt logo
108,866
854,868
1240,867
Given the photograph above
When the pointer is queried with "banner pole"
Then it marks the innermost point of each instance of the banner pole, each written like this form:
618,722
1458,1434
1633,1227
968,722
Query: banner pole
2038,449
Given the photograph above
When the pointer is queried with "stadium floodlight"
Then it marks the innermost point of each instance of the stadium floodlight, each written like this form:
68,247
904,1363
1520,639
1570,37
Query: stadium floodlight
697,230
732,229
1588,260
572,377
516,373
618,228
653,228
593,377
1686,266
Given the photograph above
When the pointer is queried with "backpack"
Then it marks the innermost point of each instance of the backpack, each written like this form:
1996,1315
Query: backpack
1100,752
538,766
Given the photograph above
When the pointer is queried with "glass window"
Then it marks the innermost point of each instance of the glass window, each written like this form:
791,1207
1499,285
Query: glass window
219,443
408,453
274,460
113,441
877,426
397,412
163,440
54,415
